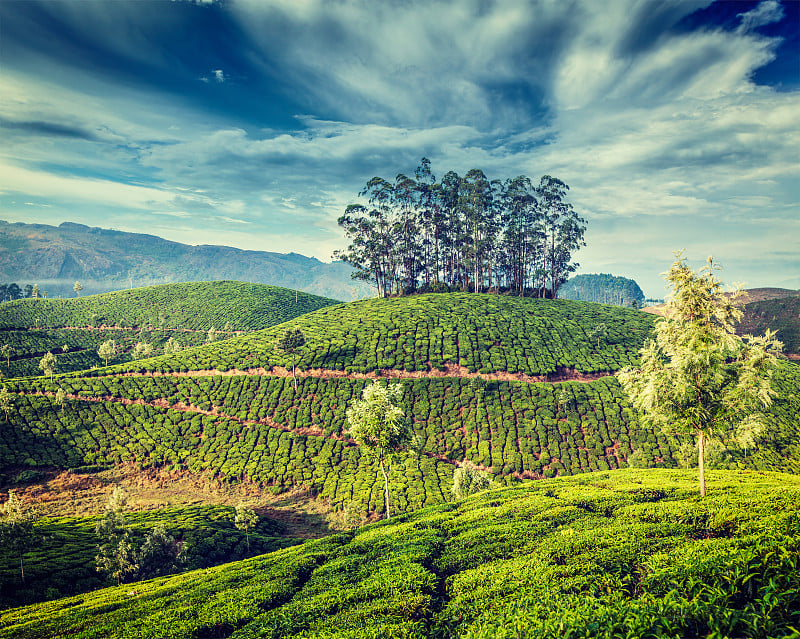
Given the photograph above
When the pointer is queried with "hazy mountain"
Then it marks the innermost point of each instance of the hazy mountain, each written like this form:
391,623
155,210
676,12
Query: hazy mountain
54,257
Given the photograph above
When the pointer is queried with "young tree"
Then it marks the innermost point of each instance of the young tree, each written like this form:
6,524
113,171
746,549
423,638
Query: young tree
697,376
48,364
172,346
245,519
212,335
469,479
378,425
7,351
142,350
6,401
291,342
61,397
77,288
116,555
107,350
160,554
35,291
16,528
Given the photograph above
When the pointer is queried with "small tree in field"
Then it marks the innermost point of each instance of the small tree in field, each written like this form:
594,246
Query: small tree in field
107,350
245,519
378,425
61,397
116,555
142,350
697,376
291,342
6,351
16,528
48,364
469,479
6,401
77,288
172,346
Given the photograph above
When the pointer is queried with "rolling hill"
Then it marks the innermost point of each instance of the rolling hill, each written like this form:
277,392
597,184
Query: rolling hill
521,387
54,257
153,314
627,554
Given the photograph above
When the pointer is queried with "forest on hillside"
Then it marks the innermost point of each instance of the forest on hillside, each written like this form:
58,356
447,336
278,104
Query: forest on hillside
603,288
462,233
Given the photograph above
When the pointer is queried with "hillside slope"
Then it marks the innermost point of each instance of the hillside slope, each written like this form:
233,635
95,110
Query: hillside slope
250,424
631,553
780,314
106,260
184,312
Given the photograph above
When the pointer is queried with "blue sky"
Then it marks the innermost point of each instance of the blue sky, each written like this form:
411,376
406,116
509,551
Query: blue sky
253,123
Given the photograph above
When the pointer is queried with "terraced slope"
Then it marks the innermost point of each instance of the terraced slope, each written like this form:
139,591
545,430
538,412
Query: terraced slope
481,333
625,554
779,314
151,314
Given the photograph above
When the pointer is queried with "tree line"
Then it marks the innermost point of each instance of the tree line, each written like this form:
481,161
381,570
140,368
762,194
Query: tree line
13,291
468,233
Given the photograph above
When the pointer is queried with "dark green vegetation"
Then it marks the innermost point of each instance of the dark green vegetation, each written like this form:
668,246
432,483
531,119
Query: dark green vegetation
64,561
465,233
603,288
782,315
105,260
154,314
481,332
626,554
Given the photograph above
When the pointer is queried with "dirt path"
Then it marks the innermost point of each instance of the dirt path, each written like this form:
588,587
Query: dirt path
562,374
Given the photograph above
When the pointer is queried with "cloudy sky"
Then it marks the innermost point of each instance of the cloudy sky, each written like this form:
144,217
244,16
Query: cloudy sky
253,123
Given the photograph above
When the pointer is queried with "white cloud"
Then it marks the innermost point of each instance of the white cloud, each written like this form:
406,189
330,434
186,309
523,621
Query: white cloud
764,13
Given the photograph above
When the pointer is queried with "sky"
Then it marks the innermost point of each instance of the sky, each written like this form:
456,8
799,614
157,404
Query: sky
253,123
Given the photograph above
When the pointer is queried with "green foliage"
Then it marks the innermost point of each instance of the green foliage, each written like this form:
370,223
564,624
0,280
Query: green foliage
48,364
697,375
246,519
480,332
609,555
17,534
603,288
469,479
107,350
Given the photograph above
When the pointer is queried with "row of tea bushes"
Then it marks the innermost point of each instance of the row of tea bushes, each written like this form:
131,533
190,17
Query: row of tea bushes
40,432
189,305
624,554
63,562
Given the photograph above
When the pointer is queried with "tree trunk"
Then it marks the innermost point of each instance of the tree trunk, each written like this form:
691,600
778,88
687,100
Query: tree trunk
701,462
385,488
294,378
21,568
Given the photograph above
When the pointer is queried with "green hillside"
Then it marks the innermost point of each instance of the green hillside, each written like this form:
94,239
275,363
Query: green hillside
64,563
781,315
604,288
154,314
627,554
480,332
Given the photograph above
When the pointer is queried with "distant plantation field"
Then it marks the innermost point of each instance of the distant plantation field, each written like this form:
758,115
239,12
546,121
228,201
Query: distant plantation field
64,564
632,553
483,333
153,315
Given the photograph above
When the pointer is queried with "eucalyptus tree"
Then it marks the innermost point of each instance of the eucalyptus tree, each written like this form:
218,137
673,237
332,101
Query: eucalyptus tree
48,364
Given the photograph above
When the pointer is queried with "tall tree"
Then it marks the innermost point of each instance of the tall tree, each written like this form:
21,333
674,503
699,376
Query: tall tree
77,288
6,401
17,533
48,364
291,342
6,350
116,555
377,424
107,350
697,376
245,519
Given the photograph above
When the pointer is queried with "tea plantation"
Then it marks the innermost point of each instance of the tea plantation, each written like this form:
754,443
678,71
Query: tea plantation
153,314
633,553
481,332
64,561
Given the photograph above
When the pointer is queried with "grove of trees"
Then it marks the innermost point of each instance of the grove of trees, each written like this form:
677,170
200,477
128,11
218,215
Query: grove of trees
467,233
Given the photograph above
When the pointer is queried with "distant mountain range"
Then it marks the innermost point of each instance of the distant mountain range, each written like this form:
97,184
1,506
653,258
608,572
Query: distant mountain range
103,260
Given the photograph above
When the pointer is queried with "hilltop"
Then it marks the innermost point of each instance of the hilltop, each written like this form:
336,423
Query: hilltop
630,553
154,314
106,260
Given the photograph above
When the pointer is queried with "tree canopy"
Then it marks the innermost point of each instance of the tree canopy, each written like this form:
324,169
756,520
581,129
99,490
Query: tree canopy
468,233
697,376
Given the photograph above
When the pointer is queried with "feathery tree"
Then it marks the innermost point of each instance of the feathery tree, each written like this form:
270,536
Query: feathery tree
77,288
377,424
16,528
48,364
697,376
6,401
291,342
116,555
107,350
171,346
6,350
61,397
245,520
142,350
